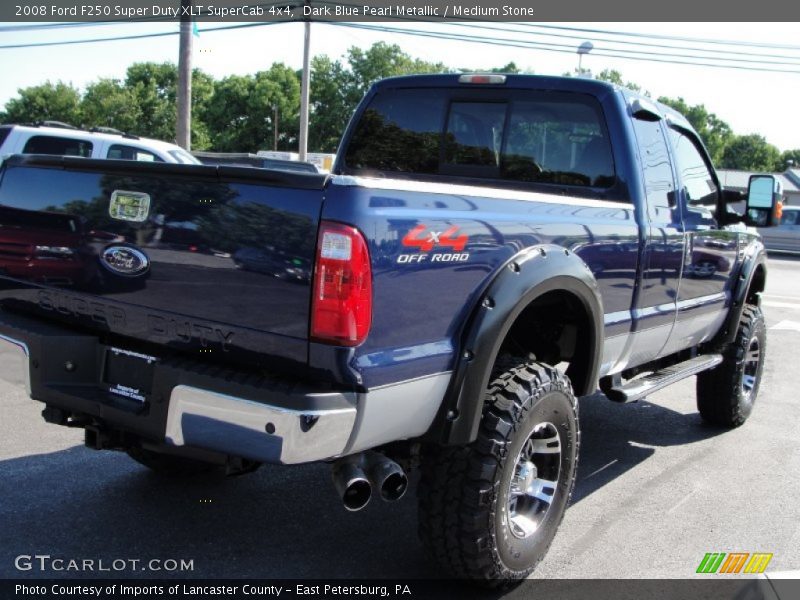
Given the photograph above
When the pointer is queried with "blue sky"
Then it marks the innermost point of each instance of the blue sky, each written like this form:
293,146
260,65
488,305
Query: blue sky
750,101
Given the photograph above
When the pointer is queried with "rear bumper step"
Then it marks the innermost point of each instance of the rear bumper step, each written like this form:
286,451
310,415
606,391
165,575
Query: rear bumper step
644,386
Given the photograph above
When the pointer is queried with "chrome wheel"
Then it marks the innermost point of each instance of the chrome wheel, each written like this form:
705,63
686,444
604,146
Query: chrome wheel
535,480
752,358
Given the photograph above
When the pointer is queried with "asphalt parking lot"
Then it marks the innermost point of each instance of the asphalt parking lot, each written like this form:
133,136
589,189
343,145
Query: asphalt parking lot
657,490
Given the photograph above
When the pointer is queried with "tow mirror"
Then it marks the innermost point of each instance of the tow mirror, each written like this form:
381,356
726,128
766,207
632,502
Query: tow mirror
764,205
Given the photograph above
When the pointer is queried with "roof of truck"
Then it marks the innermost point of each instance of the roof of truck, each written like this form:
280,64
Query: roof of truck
512,81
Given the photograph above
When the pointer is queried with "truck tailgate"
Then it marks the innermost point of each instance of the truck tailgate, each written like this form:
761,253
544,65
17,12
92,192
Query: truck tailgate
215,261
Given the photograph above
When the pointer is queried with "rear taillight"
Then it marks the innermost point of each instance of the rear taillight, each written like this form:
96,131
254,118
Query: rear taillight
341,308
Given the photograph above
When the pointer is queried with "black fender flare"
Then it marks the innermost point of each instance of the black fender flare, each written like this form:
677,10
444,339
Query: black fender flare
754,256
527,276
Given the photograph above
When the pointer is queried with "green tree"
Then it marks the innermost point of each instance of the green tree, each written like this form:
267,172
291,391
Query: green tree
789,159
508,68
380,61
337,89
750,153
47,102
615,77
715,133
241,113
202,92
108,103
227,113
154,86
330,104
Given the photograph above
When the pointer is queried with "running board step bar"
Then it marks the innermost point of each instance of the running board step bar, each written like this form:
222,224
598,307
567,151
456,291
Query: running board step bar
640,388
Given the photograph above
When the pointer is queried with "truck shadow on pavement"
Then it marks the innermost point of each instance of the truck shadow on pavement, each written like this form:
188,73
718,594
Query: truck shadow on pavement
276,523
617,437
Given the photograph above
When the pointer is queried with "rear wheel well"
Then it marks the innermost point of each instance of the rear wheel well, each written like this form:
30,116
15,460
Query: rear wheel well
555,328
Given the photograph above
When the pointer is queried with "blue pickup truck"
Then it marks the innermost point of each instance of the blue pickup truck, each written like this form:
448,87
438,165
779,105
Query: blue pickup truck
487,249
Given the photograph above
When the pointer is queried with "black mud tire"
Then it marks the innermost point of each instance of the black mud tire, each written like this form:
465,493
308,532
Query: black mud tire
178,467
464,491
723,397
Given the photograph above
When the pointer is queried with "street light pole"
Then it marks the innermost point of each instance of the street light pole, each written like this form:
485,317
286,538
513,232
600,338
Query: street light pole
584,48
304,84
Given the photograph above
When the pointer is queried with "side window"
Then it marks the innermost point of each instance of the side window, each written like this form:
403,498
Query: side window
45,144
122,152
4,131
694,174
789,217
656,166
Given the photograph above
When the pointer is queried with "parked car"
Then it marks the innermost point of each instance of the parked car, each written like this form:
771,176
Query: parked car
786,236
52,137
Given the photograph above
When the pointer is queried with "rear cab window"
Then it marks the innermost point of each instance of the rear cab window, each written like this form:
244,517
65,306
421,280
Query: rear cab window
45,144
124,152
517,138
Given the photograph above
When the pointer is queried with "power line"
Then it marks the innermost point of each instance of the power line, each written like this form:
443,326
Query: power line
631,43
711,41
665,37
137,37
478,24
794,62
518,43
39,26
554,47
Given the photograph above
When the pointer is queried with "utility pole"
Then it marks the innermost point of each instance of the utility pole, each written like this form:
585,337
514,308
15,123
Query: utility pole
183,133
304,91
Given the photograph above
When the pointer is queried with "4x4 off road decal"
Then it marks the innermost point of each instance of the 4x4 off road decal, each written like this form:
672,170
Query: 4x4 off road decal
428,239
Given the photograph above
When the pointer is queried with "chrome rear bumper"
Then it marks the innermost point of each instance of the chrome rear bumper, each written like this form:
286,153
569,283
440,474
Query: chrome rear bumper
258,431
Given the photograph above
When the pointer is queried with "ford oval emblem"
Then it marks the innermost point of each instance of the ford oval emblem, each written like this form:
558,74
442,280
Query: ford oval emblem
125,260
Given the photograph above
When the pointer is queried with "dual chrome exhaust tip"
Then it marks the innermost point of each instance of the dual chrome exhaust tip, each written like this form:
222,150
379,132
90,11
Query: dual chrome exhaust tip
356,476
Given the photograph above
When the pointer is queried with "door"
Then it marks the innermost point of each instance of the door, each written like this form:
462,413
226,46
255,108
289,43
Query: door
711,251
662,253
